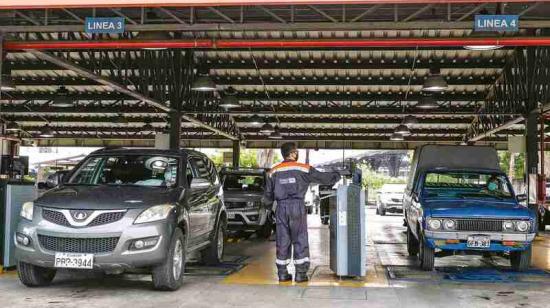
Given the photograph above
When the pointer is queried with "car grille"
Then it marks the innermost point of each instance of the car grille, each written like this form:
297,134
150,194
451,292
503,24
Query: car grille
234,204
59,218
396,200
55,217
494,225
78,245
106,218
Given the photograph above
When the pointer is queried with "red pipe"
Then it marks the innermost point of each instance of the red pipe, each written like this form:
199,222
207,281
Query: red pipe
229,44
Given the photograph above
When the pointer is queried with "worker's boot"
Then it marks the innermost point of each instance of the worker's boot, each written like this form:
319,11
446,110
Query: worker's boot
301,277
283,274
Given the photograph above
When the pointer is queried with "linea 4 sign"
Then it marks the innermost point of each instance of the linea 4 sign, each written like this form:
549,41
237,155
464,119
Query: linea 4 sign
496,23
104,25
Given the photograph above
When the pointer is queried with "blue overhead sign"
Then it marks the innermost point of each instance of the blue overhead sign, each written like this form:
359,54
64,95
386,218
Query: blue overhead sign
496,23
104,25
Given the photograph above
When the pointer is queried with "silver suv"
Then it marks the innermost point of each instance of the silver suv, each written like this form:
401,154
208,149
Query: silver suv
122,210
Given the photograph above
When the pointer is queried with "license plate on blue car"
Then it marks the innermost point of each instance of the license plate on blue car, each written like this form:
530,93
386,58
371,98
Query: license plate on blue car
479,241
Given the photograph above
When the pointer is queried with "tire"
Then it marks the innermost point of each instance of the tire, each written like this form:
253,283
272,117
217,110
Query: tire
412,243
169,275
324,221
382,210
267,228
34,276
426,256
520,260
213,255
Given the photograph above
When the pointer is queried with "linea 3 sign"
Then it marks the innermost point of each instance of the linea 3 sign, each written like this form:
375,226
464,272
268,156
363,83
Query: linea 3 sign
104,25
496,23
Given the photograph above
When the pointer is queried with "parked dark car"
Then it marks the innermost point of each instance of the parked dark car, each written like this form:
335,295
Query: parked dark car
123,210
458,199
243,194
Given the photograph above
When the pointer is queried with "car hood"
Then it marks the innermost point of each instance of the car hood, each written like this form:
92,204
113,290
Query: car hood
475,208
106,197
242,195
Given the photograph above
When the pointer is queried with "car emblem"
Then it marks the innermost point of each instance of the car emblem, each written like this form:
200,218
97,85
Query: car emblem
80,215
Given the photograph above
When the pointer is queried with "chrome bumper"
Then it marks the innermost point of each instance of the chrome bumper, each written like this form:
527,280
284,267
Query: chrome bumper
245,215
452,235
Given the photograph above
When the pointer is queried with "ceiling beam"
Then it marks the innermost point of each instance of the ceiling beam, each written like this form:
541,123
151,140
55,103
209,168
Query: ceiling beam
122,89
275,26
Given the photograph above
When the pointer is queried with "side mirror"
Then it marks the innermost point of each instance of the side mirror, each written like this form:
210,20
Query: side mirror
415,197
521,197
199,183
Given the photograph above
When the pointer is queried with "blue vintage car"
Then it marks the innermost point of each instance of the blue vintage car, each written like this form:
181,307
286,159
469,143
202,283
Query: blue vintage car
458,199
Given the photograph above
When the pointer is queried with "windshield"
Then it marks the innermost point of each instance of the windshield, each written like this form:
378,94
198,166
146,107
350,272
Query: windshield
466,185
140,170
243,182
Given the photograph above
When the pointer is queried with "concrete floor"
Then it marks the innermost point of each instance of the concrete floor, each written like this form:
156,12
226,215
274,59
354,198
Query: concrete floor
392,282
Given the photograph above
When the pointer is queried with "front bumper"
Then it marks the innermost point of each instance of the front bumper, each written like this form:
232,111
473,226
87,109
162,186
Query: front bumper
246,218
119,259
393,207
437,239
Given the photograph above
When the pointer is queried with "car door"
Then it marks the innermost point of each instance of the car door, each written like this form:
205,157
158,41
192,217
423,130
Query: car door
214,194
199,213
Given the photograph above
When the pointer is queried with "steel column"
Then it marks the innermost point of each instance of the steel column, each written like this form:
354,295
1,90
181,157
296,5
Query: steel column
236,153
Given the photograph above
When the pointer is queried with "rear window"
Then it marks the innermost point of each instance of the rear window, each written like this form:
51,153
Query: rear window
246,182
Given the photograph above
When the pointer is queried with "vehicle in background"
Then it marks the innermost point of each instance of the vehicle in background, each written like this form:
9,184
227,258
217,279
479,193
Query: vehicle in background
311,199
125,210
458,199
389,198
243,195
544,211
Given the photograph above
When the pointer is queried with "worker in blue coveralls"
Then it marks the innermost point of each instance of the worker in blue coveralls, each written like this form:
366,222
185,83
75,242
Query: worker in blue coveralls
287,184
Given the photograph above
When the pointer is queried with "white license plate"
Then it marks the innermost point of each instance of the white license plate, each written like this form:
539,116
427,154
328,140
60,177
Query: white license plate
230,215
479,241
74,260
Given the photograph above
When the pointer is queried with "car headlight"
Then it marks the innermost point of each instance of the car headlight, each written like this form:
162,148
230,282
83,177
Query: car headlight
154,213
522,226
508,225
27,210
434,224
449,224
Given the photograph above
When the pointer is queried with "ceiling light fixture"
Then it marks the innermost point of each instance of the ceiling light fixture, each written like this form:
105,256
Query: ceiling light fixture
152,36
396,137
427,103
276,134
479,35
267,129
12,127
6,83
256,120
62,100
435,82
229,100
402,130
203,83
46,132
410,120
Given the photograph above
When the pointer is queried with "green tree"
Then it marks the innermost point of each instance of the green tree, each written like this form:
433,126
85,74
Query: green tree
372,181
519,163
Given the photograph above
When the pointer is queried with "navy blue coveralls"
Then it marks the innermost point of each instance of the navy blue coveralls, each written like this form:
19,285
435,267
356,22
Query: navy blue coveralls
287,184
